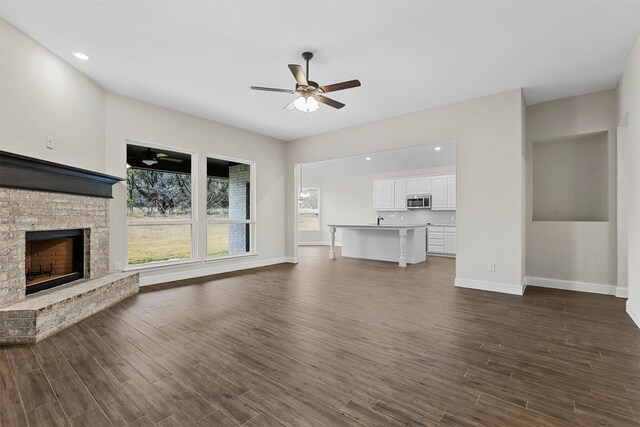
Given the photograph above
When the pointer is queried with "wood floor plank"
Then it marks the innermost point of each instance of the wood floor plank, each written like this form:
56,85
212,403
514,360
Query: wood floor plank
330,343
93,418
34,389
73,395
49,415
11,409
53,363
115,403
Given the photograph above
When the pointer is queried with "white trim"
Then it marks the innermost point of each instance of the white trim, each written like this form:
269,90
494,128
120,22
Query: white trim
160,264
505,288
635,316
317,243
146,280
292,259
574,285
232,256
622,292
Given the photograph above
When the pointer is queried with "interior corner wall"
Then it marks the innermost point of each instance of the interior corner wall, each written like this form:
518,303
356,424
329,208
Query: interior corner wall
42,96
489,169
575,251
629,118
128,119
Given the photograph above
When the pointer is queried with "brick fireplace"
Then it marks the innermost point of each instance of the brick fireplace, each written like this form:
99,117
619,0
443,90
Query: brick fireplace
53,258
54,249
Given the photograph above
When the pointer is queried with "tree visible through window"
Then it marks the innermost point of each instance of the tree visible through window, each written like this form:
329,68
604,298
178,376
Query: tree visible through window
159,208
309,209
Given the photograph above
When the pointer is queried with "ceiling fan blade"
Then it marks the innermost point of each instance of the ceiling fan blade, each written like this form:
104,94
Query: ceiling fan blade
330,102
340,86
297,72
290,106
272,89
169,159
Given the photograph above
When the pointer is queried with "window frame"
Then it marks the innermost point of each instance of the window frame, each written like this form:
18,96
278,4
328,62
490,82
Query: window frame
193,222
252,210
319,207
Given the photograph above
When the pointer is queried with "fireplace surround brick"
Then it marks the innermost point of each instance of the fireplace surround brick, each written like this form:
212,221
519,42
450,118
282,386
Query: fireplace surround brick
26,210
29,319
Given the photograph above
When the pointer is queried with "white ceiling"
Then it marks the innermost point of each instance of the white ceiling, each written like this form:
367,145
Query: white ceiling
406,159
201,57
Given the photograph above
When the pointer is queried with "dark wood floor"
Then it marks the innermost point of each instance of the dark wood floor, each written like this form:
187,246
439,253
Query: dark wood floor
345,342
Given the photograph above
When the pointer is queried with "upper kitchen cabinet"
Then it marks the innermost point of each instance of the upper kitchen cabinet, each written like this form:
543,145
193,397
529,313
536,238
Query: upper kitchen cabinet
419,185
400,194
451,192
443,193
384,195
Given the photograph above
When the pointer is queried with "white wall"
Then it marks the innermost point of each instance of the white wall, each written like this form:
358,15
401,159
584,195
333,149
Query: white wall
40,96
489,168
570,250
349,200
139,121
629,120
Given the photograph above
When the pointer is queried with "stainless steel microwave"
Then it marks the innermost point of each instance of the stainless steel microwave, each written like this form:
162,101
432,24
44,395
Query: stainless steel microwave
419,201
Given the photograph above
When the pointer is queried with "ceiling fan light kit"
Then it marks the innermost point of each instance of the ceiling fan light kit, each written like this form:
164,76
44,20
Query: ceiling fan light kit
310,94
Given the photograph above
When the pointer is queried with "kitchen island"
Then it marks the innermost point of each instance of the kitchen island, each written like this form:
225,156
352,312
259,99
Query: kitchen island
404,244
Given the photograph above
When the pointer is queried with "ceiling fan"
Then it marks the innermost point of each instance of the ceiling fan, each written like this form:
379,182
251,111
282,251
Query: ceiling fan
151,158
310,93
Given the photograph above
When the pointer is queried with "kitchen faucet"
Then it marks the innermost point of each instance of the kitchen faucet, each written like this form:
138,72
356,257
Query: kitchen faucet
380,219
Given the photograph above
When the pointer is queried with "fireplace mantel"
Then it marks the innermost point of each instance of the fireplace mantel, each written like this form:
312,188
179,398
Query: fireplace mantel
27,173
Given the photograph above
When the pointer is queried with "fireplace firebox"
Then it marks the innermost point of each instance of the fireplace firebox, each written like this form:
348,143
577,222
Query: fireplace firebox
53,258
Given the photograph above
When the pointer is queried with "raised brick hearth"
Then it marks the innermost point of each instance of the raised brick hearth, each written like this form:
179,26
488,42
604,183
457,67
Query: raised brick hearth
30,318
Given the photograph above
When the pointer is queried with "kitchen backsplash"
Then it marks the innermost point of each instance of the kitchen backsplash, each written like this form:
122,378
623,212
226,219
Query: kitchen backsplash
418,216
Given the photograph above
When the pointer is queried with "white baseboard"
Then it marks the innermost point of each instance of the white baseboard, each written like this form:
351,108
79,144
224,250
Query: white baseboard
317,243
572,285
505,288
635,316
162,277
292,259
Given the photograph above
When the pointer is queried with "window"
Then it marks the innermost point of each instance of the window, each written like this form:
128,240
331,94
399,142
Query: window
230,219
159,205
309,209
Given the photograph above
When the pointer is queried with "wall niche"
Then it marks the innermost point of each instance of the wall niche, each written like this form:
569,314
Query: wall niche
570,178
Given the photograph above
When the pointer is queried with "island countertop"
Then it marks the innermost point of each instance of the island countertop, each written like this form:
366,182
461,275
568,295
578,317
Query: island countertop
381,226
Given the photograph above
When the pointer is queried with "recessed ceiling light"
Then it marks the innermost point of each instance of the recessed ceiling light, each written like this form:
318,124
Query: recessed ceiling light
368,158
81,56
437,148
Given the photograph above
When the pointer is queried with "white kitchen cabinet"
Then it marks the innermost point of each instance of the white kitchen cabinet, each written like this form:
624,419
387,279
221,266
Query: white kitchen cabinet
451,192
439,192
412,185
378,195
424,185
441,240
443,193
388,195
419,185
450,240
400,194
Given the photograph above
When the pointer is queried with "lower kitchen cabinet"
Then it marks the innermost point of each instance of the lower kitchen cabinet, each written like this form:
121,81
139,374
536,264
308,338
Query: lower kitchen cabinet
441,240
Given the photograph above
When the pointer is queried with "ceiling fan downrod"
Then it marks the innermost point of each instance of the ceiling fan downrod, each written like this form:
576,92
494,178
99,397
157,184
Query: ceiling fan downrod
307,57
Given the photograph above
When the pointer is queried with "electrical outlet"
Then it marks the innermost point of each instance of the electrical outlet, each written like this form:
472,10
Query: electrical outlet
401,218
50,142
117,266
491,267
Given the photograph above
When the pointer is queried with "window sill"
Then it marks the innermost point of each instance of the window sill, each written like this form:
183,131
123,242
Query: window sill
314,229
228,257
160,264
